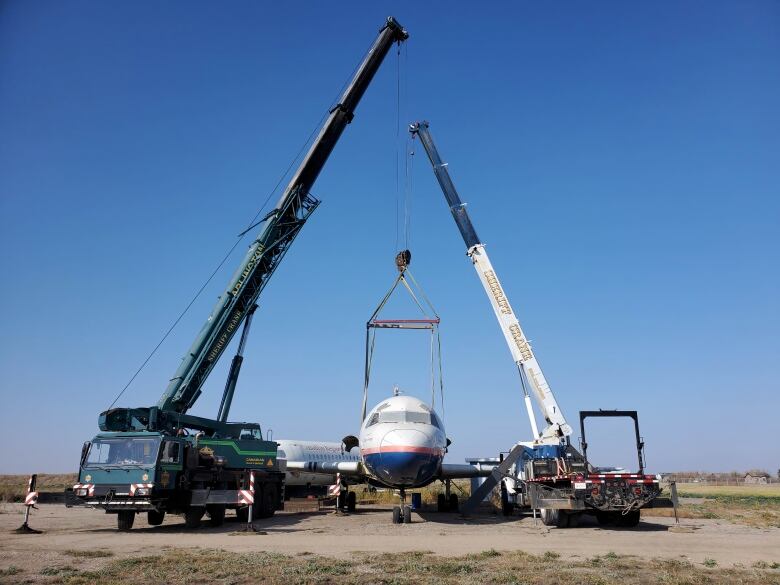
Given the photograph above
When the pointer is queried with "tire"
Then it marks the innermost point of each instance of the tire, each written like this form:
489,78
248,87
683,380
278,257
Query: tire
396,515
193,516
629,520
453,503
557,518
216,514
242,514
155,517
441,503
604,518
507,507
351,501
124,520
407,515
268,501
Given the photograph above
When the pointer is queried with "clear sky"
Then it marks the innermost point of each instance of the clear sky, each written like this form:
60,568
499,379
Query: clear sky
621,161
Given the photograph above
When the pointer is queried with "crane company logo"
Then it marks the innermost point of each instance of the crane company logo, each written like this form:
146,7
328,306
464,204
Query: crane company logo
165,478
498,294
520,341
249,267
234,321
206,451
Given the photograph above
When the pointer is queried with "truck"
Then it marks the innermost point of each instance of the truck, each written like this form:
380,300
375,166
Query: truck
547,473
162,460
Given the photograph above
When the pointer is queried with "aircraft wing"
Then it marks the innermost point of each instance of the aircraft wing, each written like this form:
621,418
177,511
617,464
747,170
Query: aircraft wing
459,471
346,468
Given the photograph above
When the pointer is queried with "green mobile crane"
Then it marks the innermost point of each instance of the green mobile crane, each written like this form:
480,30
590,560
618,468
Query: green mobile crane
160,459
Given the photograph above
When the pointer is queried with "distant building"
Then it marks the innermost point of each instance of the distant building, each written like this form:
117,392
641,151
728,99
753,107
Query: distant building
754,477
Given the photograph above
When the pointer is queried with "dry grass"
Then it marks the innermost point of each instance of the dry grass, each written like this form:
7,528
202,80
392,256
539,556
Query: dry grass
187,566
461,487
771,491
13,488
752,505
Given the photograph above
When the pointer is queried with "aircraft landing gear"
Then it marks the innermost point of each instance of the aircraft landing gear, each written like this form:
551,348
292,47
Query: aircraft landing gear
447,502
402,514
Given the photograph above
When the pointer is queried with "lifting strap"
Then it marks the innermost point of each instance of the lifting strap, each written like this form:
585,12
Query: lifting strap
430,321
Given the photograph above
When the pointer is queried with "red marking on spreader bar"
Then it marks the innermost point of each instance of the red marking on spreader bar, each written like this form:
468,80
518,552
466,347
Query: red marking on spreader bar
381,321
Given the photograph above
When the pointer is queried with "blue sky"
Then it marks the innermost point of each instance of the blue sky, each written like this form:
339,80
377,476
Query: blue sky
620,161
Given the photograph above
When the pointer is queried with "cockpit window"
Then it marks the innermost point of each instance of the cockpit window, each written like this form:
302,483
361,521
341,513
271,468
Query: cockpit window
373,420
397,416
436,421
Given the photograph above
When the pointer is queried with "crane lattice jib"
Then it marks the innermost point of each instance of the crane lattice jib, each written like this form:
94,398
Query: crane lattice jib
277,233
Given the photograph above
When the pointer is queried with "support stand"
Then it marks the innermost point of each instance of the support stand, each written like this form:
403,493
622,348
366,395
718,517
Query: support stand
250,527
29,501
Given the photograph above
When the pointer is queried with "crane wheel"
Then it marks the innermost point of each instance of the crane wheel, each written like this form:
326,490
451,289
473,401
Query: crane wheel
351,501
125,519
629,520
155,517
553,517
216,514
268,501
604,518
193,516
242,514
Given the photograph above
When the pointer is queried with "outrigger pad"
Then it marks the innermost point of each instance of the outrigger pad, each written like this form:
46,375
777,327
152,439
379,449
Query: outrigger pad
25,529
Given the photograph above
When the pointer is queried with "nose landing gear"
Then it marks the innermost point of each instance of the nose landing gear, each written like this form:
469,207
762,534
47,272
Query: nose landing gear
402,514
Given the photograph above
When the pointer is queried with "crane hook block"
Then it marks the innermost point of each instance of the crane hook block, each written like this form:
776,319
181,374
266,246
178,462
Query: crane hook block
403,259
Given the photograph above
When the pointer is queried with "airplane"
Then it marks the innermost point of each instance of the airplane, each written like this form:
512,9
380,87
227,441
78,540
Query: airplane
401,446
303,483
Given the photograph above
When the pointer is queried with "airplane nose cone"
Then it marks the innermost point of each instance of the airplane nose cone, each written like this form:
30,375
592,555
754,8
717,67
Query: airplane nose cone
406,457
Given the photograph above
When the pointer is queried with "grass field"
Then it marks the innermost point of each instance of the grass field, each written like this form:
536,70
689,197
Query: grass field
770,491
752,505
184,567
13,488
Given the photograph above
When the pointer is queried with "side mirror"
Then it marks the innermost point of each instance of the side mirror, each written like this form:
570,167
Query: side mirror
269,435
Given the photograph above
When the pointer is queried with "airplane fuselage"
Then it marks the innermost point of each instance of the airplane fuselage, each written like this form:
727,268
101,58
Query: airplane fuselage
402,443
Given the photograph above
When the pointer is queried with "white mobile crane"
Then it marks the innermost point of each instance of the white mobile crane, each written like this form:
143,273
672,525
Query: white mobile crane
546,473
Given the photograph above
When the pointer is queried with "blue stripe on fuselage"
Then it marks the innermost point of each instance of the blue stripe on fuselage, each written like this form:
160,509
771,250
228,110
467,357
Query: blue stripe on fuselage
402,469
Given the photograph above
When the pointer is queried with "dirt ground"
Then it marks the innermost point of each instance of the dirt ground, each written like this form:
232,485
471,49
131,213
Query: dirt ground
80,531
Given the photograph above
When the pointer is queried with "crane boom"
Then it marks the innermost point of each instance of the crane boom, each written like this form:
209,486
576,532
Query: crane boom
277,232
530,371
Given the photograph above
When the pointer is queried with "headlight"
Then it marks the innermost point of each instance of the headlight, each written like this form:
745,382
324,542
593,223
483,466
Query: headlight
81,492
142,492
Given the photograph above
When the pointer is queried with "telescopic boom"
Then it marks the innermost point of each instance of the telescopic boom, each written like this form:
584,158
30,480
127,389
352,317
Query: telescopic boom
530,372
278,230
